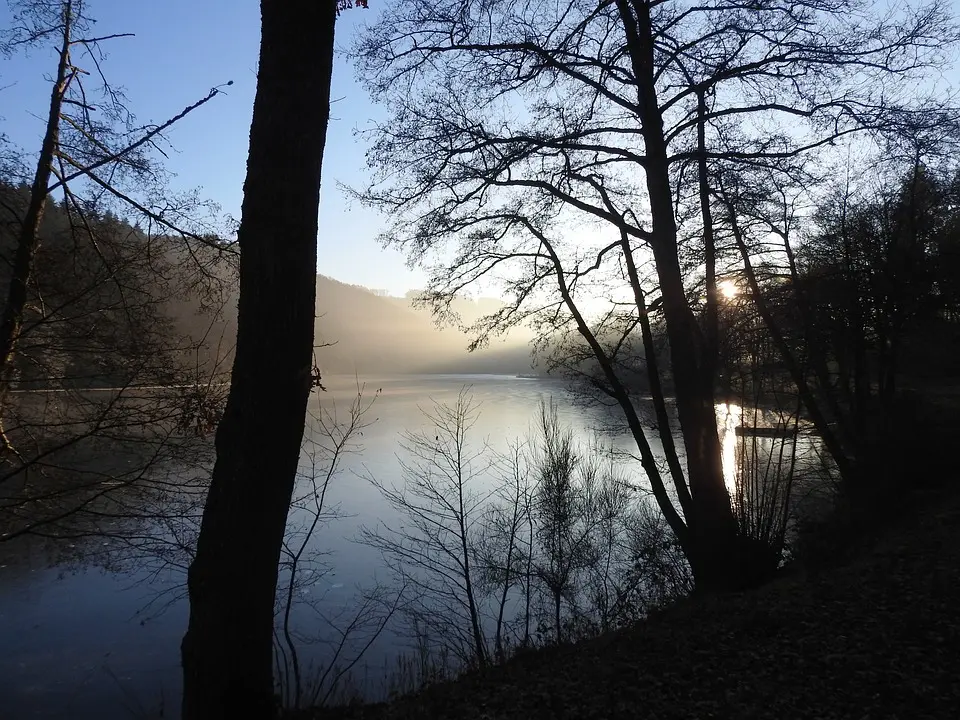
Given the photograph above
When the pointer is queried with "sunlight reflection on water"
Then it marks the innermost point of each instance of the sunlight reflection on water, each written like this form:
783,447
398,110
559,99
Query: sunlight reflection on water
730,417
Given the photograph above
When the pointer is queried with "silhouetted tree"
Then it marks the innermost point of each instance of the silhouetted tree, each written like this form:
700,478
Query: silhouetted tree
82,142
433,549
349,632
228,648
841,281
562,505
566,151
109,407
541,544
93,289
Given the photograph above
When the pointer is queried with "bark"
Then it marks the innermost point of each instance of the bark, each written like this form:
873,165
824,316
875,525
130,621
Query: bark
711,524
28,241
227,650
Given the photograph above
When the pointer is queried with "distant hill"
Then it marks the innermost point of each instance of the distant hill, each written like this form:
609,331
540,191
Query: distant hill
116,294
373,332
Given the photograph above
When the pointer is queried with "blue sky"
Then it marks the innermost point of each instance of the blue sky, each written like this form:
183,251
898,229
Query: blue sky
183,48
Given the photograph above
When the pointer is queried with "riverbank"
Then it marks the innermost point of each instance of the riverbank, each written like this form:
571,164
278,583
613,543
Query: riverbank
871,637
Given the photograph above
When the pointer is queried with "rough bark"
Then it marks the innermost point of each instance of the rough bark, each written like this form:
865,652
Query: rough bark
227,650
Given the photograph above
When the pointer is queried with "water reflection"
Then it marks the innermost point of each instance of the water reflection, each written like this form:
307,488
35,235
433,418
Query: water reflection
69,640
730,417
773,461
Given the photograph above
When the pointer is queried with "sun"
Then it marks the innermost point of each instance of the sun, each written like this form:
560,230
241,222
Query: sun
729,289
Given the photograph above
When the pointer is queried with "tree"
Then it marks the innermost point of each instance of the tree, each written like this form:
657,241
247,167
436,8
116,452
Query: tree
433,551
109,405
566,152
93,289
228,648
303,569
844,272
97,144
543,543
506,547
562,508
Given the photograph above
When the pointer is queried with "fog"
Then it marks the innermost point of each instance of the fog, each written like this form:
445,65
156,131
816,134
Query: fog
362,331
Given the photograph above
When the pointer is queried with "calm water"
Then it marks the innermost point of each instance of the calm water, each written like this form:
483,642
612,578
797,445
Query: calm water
81,641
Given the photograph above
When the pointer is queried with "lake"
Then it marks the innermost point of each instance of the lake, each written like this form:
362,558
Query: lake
81,640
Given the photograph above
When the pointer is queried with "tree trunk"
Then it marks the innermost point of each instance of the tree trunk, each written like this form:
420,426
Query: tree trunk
29,237
227,650
711,314
711,525
664,428
508,570
556,613
479,646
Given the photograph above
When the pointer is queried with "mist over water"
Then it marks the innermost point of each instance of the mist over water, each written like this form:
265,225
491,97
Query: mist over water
83,640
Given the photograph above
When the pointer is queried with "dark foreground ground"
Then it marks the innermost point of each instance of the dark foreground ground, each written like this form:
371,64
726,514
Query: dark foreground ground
873,635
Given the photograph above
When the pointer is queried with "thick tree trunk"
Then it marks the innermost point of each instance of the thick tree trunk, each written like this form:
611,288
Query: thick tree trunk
28,240
710,522
227,651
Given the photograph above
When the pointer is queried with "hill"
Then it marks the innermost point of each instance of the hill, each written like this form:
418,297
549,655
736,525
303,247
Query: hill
365,332
121,287
371,332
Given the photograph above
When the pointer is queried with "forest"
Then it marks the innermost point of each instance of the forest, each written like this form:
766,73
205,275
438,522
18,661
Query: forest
730,229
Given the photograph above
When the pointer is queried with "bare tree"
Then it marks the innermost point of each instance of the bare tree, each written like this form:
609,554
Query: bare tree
81,143
834,273
345,636
610,582
227,651
506,546
587,519
100,388
562,507
433,548
565,151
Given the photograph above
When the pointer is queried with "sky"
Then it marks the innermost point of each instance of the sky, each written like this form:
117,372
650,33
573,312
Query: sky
183,48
